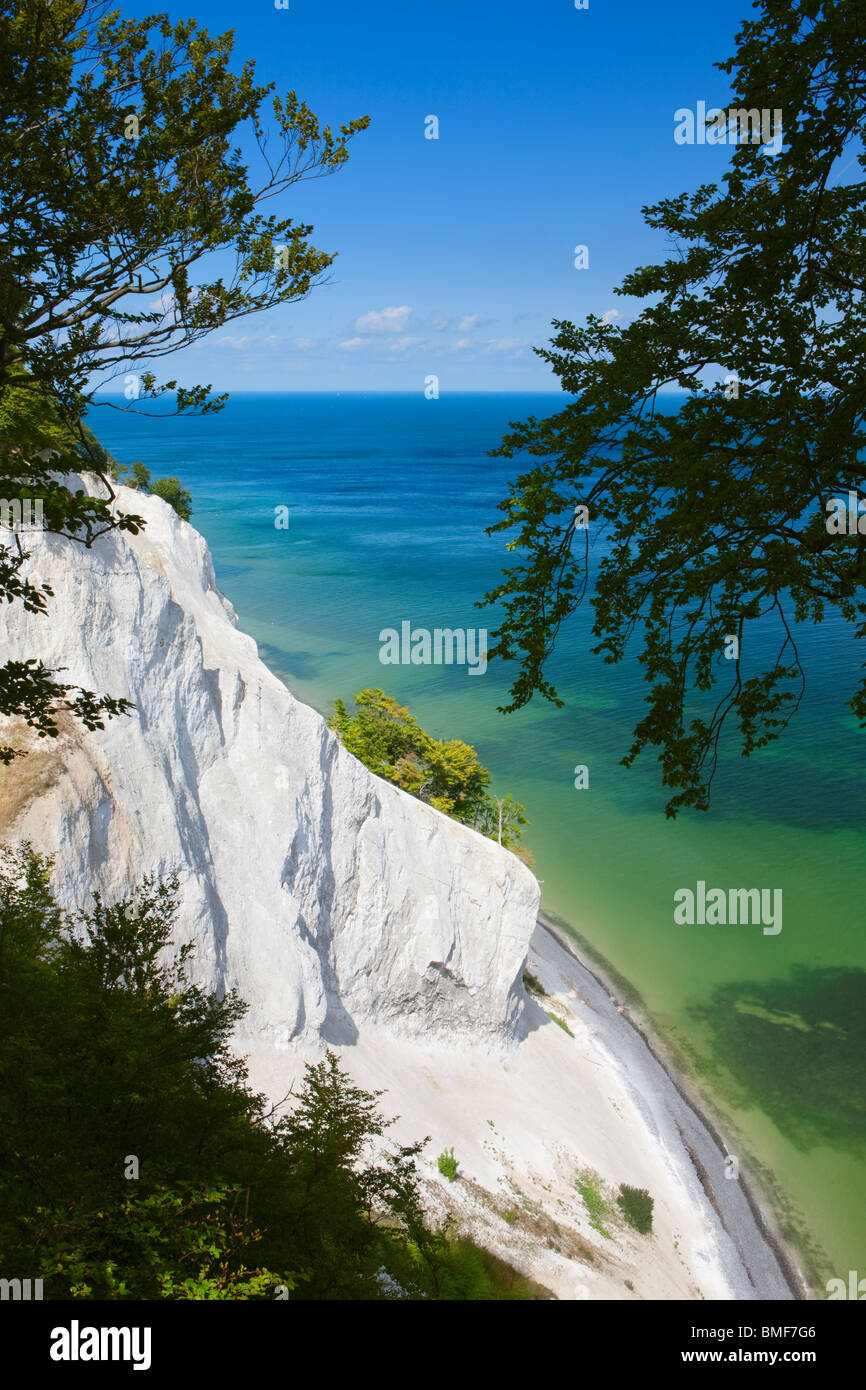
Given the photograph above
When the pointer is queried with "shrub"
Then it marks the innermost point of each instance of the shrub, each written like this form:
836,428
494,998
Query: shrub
447,1164
532,983
169,489
589,1187
636,1205
468,1272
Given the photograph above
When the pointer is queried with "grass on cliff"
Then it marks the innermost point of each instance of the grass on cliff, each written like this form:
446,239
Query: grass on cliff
598,1208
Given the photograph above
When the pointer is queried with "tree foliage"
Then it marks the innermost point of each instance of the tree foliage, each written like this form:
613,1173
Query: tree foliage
137,1162
131,226
121,179
184,1242
44,469
714,518
446,773
170,490
636,1205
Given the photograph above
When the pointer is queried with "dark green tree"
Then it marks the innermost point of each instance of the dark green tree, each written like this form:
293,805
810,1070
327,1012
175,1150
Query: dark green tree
130,227
343,1181
170,490
715,519
109,1054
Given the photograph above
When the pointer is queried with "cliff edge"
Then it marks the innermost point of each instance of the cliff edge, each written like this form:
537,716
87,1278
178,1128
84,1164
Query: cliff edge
350,915
328,897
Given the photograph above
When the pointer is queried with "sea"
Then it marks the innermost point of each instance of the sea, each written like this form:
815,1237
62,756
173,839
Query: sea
333,516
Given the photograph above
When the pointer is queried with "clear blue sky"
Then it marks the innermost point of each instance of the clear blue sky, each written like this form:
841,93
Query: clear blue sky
555,128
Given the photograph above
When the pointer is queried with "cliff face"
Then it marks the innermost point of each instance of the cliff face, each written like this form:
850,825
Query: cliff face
347,914
326,896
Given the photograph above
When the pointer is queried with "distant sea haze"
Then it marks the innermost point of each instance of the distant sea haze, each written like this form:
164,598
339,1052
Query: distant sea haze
389,498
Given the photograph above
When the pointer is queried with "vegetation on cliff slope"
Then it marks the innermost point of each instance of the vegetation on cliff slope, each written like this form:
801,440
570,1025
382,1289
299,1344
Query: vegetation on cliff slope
135,1160
446,773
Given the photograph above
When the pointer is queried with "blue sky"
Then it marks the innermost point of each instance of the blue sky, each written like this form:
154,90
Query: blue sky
555,128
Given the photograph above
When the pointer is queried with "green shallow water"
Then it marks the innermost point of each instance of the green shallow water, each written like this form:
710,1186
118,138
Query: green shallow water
389,497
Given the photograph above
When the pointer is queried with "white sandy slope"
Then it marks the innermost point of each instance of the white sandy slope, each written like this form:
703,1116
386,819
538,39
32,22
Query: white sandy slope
348,915
524,1124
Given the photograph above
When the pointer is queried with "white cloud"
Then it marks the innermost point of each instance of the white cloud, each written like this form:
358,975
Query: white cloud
610,315
438,322
467,323
229,340
305,344
502,344
395,345
166,303
163,302
460,345
390,320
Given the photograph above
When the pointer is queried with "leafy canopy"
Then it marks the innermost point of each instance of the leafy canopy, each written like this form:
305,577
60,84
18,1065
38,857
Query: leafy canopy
170,490
714,519
446,773
121,179
131,226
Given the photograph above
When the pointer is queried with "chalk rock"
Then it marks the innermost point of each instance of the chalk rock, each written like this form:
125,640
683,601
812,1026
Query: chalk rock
328,897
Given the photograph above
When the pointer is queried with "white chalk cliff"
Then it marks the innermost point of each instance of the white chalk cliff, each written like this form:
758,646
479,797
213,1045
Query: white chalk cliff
328,897
347,914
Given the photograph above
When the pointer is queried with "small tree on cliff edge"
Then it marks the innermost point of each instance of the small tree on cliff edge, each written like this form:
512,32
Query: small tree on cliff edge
119,185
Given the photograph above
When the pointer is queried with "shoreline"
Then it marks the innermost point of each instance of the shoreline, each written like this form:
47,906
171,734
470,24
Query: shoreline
749,1226
747,1236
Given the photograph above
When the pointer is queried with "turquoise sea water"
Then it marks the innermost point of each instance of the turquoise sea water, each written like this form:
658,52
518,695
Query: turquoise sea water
388,498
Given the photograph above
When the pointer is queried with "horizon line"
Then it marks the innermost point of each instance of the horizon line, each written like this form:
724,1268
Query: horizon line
370,391
363,391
